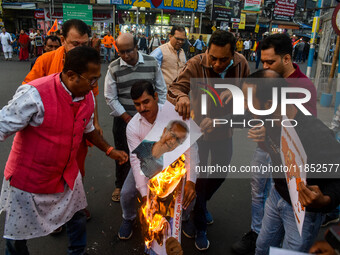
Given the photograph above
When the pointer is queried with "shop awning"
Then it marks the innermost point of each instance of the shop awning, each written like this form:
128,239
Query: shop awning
19,6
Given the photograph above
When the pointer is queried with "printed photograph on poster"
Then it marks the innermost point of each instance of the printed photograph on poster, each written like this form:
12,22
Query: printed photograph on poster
163,156
293,155
167,140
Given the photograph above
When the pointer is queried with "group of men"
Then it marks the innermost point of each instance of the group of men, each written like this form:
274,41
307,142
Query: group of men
46,162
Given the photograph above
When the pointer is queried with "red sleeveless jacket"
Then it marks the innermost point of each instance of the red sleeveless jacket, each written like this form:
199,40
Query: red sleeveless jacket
43,158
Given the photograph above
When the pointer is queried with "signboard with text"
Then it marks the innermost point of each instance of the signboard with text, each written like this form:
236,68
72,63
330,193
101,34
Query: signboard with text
78,11
252,6
224,10
242,24
284,9
179,5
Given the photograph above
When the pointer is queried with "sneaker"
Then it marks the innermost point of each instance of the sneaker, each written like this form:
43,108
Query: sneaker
188,229
329,220
209,217
247,244
125,230
201,241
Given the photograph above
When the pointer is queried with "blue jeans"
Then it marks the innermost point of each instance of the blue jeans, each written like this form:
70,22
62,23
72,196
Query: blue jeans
299,56
107,51
279,225
128,197
76,232
260,187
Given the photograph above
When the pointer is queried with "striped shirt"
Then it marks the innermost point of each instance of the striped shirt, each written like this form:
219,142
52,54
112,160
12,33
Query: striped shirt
121,76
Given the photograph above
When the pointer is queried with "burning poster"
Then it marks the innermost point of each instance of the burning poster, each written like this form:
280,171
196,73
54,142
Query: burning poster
165,159
294,158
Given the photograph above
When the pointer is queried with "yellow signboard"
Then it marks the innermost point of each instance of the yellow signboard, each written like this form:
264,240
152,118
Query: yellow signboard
213,28
197,22
242,21
257,28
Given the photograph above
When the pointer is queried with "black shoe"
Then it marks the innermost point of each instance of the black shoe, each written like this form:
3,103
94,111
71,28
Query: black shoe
329,220
247,244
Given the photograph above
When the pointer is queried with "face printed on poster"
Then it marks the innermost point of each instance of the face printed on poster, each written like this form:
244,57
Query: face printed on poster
166,142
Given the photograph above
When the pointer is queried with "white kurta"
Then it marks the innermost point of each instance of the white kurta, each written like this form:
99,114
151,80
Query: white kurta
5,37
30,215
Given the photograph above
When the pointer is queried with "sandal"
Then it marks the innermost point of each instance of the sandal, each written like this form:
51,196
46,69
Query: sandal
116,195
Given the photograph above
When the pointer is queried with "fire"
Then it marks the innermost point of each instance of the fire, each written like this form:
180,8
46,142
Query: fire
154,211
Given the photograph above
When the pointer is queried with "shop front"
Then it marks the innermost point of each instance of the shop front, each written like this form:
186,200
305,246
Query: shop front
102,20
152,21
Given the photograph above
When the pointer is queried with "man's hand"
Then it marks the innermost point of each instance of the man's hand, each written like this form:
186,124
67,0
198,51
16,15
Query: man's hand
206,125
189,194
183,107
120,156
126,117
173,247
98,128
226,96
312,196
257,134
322,248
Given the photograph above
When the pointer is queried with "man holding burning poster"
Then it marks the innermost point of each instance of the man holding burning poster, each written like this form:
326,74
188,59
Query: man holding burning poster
149,111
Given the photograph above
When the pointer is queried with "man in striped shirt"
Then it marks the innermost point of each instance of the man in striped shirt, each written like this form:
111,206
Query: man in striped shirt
122,73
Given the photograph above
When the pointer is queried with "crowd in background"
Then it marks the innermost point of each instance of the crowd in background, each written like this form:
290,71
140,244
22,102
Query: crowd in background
166,69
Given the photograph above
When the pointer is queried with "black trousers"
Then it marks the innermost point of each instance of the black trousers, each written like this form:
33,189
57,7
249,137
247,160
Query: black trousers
206,186
119,135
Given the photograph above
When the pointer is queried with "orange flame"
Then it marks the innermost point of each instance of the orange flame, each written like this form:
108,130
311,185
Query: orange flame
154,211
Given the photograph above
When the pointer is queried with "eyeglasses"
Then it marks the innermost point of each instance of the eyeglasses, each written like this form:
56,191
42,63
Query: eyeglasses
91,82
180,39
129,51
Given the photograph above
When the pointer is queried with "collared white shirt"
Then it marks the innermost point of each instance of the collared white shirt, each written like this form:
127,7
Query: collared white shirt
26,108
136,131
111,92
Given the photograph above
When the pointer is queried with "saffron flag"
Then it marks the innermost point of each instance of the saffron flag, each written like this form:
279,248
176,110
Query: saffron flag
54,28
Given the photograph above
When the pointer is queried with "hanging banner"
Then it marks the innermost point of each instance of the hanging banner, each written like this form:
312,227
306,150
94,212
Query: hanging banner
179,5
257,28
224,10
242,24
284,10
78,11
252,6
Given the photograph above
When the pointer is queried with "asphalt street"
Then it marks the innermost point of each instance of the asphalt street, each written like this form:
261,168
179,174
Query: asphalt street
230,206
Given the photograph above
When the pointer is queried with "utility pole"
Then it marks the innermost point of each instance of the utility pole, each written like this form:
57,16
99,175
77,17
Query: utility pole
315,30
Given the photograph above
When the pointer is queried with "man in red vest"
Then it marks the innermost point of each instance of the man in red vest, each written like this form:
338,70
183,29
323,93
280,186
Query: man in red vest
42,188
